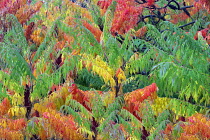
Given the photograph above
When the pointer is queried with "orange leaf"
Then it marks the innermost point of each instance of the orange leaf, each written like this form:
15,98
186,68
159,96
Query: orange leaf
94,30
4,106
141,32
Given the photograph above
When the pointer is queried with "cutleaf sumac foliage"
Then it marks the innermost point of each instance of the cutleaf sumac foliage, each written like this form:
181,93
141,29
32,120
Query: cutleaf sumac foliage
104,69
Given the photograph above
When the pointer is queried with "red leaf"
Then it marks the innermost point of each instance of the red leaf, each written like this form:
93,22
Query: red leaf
150,2
29,31
94,30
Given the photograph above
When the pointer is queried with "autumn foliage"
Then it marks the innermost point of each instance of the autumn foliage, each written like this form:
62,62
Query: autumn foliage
104,69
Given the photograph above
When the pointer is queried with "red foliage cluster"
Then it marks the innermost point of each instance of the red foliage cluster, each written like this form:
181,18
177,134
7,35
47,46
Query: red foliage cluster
125,17
205,34
198,126
10,134
4,3
197,6
132,99
16,125
77,94
29,31
104,4
83,97
205,4
64,126
141,32
12,129
19,8
141,94
136,97
126,14
94,30
4,106
168,129
175,18
150,2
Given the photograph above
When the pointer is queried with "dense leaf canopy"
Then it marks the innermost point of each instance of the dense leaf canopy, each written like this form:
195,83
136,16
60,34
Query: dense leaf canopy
105,69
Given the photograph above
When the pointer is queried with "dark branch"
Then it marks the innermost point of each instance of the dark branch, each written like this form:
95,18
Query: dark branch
187,24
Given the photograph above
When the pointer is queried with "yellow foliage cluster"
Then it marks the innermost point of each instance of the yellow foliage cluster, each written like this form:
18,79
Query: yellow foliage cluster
160,104
14,111
17,100
38,36
100,67
54,101
120,75
17,112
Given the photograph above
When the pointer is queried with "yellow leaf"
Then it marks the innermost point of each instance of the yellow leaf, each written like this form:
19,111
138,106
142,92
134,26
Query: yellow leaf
17,99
